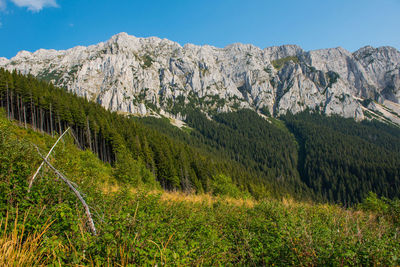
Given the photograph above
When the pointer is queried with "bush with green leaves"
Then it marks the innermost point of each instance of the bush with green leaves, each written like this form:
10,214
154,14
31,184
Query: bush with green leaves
222,185
139,227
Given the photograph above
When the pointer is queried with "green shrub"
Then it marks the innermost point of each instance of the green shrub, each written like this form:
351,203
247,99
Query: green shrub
279,63
147,61
133,172
383,207
224,186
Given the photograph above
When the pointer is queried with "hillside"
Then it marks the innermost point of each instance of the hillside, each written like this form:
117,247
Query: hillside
123,142
308,156
143,226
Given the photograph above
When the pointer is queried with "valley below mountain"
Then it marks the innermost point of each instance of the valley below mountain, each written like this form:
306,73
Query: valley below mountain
260,133
242,187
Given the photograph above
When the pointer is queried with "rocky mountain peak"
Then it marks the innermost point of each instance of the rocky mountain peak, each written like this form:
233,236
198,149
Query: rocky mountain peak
3,61
389,56
277,52
122,36
22,55
153,75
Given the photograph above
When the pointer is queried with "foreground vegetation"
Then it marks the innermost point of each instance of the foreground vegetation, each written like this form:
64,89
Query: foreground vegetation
144,225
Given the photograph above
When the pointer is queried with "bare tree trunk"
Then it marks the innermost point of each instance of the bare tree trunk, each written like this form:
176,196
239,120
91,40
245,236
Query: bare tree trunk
8,102
22,105
48,154
95,144
32,114
41,120
35,117
76,192
51,122
88,134
59,124
104,150
18,109
19,99
24,116
12,105
76,139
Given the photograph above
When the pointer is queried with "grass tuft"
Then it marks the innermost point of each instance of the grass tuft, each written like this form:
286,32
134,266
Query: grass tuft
18,248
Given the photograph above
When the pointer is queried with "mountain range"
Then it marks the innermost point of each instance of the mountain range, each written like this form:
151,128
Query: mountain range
157,76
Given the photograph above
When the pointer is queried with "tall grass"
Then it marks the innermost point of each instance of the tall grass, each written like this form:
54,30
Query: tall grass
18,248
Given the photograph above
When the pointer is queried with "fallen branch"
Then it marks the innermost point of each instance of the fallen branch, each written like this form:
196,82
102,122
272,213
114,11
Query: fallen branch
76,192
48,154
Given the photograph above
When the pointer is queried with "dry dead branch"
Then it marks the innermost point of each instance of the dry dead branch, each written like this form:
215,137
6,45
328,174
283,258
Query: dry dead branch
47,156
76,192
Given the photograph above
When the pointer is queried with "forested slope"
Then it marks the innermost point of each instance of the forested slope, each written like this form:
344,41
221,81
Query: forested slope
328,158
141,225
342,160
125,143
307,156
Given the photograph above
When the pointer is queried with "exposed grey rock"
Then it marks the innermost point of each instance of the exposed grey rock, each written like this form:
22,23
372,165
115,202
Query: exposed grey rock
137,75
3,61
277,52
382,66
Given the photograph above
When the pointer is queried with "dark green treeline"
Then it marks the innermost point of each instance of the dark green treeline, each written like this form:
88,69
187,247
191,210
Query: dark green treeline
135,150
327,158
341,160
308,156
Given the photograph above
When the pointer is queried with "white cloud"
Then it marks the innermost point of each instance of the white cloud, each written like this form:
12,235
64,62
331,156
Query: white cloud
2,4
34,5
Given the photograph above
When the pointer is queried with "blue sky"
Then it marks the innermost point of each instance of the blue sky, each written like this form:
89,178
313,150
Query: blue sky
312,24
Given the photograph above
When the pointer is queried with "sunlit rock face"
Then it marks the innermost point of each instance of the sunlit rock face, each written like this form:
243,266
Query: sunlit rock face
143,75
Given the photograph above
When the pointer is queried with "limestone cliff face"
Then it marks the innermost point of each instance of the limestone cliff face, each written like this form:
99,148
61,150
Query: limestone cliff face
143,75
